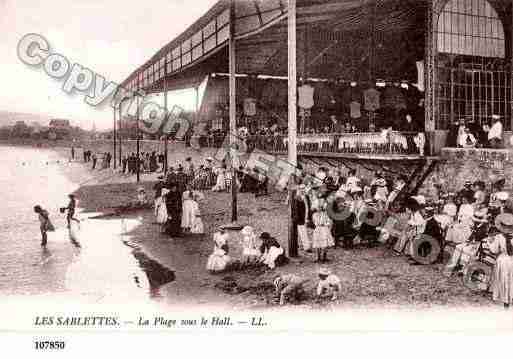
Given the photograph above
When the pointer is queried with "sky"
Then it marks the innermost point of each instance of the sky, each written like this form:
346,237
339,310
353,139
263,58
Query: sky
110,37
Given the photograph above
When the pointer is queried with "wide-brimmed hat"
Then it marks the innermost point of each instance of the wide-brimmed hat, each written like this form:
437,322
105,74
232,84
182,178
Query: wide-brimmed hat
480,216
141,189
324,271
209,159
496,117
265,235
504,223
356,189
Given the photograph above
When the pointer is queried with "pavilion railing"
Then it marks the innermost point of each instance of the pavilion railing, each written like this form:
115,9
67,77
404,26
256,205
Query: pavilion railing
398,143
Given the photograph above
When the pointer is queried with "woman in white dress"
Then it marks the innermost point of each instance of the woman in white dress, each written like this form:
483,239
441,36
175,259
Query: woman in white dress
502,244
161,209
462,228
187,210
221,179
219,258
197,223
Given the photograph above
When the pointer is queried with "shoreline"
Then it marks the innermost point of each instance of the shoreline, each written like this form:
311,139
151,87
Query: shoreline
372,278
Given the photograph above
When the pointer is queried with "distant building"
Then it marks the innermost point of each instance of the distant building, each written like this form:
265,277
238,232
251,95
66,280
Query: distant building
20,129
59,129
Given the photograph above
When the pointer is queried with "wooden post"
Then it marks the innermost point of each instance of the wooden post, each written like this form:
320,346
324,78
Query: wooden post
165,134
233,108
120,139
292,123
114,136
138,161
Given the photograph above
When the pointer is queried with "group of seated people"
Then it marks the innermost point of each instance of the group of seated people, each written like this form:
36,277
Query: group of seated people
470,134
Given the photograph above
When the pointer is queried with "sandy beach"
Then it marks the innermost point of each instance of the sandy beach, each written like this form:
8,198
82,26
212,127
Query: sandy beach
372,277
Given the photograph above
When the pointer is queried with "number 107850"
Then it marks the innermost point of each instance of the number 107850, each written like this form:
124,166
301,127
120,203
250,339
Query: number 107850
49,345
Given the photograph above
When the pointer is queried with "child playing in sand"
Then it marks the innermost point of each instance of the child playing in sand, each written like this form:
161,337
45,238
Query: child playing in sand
329,285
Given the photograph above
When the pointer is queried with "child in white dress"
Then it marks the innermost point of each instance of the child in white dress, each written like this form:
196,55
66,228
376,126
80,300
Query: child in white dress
219,258
322,238
250,246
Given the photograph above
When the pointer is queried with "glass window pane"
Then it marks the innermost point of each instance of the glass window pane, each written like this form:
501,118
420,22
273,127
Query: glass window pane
209,29
197,38
197,52
186,46
223,18
176,64
176,53
210,43
186,58
223,35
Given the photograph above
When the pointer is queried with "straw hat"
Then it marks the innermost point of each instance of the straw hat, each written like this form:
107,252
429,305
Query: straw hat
504,223
324,271
356,189
141,189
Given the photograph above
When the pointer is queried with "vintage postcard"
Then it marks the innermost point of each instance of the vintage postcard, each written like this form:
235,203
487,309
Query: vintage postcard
255,166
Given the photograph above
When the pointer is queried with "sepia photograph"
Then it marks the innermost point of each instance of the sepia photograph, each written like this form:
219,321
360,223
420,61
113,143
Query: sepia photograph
255,166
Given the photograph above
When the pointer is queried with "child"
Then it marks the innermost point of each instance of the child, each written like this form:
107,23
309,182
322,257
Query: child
250,252
219,258
45,223
322,238
272,253
329,285
289,286
71,210
141,196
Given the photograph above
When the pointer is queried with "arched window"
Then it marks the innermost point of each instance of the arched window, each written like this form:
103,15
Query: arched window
470,27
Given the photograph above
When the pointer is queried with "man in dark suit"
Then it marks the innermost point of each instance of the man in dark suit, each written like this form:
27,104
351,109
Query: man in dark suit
302,216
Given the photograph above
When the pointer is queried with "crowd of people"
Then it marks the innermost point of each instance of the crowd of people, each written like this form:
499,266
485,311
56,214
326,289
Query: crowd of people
344,210
349,210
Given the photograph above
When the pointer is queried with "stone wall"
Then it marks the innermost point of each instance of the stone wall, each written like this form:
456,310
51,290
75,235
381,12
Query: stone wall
459,165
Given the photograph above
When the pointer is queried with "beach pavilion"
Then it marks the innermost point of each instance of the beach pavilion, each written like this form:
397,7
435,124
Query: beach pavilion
456,54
